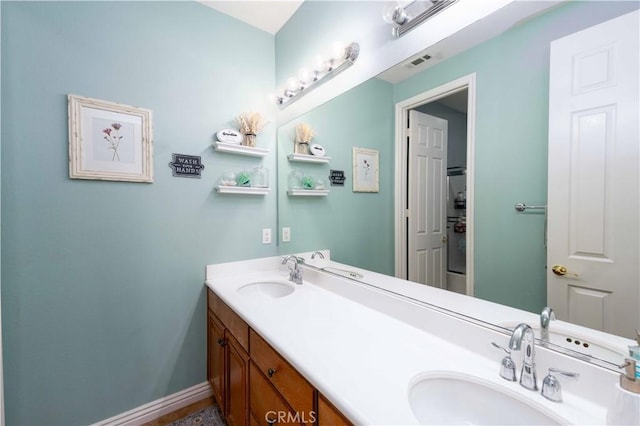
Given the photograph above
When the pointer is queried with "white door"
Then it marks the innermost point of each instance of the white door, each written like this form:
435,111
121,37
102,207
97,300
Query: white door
594,138
427,227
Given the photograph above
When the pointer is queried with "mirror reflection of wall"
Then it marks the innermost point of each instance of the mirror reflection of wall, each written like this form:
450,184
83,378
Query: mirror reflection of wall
512,72
357,227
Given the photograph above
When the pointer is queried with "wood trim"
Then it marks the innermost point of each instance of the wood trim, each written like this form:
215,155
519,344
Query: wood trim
159,407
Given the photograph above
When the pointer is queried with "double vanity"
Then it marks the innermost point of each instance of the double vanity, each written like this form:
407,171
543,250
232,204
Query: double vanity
335,350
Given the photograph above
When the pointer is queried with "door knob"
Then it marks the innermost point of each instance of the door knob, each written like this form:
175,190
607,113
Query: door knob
561,270
444,240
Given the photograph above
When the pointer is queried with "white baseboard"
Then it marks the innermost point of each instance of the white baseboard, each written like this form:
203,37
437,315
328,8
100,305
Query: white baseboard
158,408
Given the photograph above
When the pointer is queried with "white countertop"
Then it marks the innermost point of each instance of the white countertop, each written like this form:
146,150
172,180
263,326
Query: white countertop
362,348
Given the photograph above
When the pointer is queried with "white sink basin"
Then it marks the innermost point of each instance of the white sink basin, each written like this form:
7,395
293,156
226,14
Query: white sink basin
273,289
449,398
574,341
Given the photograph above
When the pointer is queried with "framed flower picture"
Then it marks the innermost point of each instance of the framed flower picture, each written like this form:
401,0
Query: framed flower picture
365,170
109,141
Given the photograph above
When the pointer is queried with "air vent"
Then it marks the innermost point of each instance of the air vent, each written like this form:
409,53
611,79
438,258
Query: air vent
417,61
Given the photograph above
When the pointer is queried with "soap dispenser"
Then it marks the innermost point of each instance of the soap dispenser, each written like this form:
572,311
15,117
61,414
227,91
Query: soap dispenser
625,407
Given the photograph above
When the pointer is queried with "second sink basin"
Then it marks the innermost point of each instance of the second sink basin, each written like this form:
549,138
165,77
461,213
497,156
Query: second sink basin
273,289
449,398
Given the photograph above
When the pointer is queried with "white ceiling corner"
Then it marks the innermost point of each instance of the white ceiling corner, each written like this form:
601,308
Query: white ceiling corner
267,15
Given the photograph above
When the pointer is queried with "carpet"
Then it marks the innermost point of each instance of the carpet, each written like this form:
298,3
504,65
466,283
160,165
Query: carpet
210,416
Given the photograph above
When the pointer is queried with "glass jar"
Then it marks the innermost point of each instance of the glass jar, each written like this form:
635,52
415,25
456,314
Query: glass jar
243,178
295,179
260,177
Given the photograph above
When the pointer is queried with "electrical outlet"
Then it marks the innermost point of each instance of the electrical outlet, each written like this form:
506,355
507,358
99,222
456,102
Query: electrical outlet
266,236
286,235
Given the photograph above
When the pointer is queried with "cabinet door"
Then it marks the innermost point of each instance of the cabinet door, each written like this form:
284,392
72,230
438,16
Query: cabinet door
216,356
237,383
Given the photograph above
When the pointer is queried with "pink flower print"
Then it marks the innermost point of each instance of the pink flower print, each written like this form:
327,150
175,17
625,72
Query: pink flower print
113,140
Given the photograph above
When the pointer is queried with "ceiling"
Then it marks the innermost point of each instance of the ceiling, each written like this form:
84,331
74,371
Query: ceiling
267,15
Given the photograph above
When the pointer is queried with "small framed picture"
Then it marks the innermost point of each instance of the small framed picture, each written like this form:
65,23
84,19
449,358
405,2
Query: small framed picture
365,170
109,141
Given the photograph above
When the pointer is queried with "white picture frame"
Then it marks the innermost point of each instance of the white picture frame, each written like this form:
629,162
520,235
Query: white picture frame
109,141
366,166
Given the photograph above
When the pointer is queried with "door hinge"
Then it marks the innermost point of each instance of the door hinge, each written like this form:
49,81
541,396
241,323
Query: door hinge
407,213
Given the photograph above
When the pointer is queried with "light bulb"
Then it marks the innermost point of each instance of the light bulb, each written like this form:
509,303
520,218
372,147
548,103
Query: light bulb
337,50
394,13
319,63
304,75
293,84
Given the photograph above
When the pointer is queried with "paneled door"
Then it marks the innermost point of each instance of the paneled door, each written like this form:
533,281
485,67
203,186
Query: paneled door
427,216
593,251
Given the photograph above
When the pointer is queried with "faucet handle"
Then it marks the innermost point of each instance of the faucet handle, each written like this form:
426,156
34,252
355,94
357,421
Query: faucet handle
507,366
551,388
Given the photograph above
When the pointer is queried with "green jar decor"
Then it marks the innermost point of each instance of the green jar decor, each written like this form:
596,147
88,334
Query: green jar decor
307,182
243,178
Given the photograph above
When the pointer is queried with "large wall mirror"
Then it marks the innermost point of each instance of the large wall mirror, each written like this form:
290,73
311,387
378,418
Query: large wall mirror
507,261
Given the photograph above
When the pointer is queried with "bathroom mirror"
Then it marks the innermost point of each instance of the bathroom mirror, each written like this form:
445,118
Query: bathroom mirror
511,72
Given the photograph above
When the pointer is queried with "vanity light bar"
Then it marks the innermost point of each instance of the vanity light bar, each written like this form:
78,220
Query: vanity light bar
322,72
438,6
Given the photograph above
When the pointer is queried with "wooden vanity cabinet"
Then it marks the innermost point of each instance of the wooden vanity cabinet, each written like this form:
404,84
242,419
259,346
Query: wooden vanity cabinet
266,403
294,388
228,360
252,382
328,415
216,357
237,395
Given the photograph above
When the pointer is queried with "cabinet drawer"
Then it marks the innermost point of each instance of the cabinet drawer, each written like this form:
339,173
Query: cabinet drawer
230,319
266,404
293,387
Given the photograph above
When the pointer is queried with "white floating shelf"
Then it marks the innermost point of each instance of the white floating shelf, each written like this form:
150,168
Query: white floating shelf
247,190
308,192
305,158
240,149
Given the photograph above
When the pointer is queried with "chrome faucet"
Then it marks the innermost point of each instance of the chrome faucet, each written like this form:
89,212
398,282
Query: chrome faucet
524,332
546,316
295,274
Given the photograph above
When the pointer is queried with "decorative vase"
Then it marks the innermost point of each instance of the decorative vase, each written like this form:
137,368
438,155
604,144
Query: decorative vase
249,139
302,148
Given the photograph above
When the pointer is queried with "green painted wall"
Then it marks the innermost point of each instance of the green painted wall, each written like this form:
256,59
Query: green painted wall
357,227
103,304
511,150
512,72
